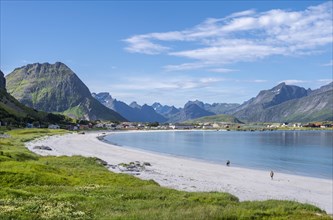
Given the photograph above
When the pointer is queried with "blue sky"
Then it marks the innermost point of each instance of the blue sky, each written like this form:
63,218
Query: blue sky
174,51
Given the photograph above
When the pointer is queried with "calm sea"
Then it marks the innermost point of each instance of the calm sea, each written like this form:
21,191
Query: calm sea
308,153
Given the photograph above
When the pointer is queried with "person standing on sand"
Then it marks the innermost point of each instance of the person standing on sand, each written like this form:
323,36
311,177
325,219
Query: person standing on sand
272,174
228,163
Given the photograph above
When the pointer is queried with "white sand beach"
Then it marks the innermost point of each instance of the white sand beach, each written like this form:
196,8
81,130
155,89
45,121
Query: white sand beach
193,175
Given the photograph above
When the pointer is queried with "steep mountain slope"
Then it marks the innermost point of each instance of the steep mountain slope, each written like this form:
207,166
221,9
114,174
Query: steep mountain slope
190,111
149,114
220,108
267,98
14,113
165,110
285,103
136,113
318,106
135,105
216,108
56,88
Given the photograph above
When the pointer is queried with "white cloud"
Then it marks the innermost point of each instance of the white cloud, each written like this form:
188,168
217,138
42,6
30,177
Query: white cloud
180,83
222,70
141,44
242,13
242,36
185,66
328,64
325,81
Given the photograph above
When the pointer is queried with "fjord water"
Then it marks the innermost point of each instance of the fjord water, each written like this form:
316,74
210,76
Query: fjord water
308,153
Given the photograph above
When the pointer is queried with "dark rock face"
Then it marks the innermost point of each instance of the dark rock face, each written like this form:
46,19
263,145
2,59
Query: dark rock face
2,81
56,88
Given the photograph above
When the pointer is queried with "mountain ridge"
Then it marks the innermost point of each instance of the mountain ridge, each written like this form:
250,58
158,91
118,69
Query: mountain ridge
287,103
132,112
12,112
56,88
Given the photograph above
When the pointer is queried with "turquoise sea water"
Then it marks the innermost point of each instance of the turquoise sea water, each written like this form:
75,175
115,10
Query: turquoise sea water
308,153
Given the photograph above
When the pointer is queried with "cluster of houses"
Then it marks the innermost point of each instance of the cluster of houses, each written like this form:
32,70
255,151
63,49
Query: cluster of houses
170,126
175,126
300,125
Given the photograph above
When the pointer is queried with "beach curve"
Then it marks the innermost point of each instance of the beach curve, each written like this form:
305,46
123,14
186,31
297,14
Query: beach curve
193,175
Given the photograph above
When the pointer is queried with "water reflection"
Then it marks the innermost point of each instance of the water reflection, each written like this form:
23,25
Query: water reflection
298,152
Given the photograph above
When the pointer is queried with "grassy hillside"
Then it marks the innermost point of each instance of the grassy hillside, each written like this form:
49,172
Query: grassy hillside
16,114
34,187
56,88
216,118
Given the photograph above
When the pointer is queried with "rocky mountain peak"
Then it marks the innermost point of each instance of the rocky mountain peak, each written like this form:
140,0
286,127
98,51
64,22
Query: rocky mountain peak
56,88
102,97
135,105
196,102
156,105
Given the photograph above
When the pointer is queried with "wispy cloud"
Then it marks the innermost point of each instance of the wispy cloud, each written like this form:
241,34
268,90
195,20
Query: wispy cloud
142,44
325,81
222,70
143,84
241,37
328,64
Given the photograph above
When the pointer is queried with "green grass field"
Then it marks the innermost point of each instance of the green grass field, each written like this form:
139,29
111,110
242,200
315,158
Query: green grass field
34,187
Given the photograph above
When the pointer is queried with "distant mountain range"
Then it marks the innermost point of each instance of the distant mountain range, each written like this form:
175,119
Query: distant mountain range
282,103
133,112
287,103
161,113
56,88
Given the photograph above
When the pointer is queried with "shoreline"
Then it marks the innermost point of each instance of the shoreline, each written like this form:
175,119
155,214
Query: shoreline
194,175
102,139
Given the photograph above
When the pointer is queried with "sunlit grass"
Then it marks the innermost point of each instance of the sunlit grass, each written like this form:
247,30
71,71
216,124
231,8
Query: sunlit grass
34,187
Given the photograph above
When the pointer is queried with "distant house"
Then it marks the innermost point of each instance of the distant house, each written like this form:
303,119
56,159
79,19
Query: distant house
178,126
207,127
51,126
297,125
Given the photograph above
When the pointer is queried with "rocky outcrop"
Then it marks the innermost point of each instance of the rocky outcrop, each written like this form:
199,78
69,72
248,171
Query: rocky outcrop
2,81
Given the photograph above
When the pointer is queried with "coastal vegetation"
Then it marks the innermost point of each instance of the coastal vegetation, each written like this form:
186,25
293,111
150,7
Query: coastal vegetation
35,187
216,119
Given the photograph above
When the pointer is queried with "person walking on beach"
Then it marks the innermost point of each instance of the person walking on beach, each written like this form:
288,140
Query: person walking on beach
272,174
228,163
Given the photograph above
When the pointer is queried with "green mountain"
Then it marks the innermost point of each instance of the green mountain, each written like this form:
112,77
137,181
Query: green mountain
216,118
56,88
12,112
